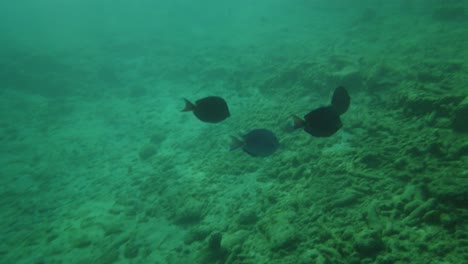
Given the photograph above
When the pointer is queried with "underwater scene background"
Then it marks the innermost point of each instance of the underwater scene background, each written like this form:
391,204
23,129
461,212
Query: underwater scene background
99,164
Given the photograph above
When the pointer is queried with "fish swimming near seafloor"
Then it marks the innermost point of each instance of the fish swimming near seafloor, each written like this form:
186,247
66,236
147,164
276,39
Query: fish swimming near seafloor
325,121
211,109
257,143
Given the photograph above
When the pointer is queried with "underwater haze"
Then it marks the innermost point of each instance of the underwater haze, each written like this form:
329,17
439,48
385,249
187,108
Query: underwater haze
99,164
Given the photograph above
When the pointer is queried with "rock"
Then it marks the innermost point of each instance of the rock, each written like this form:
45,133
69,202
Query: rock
147,152
214,243
368,244
372,161
189,211
416,216
410,206
188,216
196,234
280,232
449,13
450,189
285,238
432,217
112,229
417,103
350,77
382,77
373,218
312,256
108,256
346,199
436,149
460,118
448,221
216,252
461,151
157,138
232,240
248,217
82,242
131,250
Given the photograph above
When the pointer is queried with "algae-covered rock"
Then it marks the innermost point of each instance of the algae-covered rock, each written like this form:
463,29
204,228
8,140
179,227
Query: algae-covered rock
368,244
432,217
248,217
312,256
189,215
214,252
198,233
381,77
415,215
448,221
107,256
346,199
284,237
460,118
461,151
131,250
449,13
280,232
82,241
147,152
416,102
111,229
450,188
350,77
233,240
372,216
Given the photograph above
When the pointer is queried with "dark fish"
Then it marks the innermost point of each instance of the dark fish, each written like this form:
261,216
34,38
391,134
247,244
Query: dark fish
341,100
257,143
325,121
321,122
211,109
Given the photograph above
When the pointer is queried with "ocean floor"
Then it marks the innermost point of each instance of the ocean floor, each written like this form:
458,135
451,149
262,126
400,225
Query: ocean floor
99,165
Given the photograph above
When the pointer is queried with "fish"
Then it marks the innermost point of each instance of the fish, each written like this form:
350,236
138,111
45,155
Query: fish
321,122
325,121
211,109
257,143
341,100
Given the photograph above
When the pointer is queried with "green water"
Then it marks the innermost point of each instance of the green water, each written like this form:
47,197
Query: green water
99,164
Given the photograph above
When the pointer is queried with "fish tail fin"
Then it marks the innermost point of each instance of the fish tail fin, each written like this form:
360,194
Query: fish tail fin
236,143
298,122
189,106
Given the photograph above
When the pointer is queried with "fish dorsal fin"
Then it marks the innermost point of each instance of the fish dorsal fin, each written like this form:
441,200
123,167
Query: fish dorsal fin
298,122
189,106
340,100
236,143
